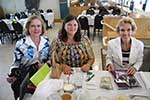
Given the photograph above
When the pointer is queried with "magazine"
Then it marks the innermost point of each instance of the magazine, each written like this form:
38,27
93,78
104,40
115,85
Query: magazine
125,81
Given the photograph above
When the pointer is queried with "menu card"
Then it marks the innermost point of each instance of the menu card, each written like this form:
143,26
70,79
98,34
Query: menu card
124,81
40,74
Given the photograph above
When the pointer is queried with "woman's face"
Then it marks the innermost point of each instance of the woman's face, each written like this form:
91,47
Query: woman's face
35,28
71,27
125,31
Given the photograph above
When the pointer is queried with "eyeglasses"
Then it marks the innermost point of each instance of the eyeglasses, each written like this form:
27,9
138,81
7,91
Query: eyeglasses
123,30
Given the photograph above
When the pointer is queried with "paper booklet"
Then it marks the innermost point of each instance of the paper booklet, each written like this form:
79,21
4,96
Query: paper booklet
124,81
40,74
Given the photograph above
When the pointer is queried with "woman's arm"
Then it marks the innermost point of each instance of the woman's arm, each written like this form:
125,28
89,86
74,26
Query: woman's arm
16,63
109,64
90,53
139,59
17,58
109,54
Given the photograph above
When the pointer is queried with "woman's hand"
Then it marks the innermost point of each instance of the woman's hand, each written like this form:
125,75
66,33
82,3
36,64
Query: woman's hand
85,68
131,71
49,62
110,68
11,79
66,69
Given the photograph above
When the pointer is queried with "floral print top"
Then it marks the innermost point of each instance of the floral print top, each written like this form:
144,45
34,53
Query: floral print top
26,53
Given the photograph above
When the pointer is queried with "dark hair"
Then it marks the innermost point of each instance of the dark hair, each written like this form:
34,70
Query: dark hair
63,33
26,32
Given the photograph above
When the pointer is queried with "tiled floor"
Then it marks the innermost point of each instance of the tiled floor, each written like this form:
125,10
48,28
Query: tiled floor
6,58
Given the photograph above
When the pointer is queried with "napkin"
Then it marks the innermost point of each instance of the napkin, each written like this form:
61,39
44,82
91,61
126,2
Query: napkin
145,77
47,88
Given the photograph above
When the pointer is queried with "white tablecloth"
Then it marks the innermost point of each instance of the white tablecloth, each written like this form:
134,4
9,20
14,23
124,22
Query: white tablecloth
23,22
9,22
49,17
96,91
91,89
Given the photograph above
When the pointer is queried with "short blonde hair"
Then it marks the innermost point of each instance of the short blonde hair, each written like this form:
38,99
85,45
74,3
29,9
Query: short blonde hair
126,20
26,32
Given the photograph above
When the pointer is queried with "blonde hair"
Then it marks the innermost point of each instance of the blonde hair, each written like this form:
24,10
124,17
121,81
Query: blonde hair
26,32
126,20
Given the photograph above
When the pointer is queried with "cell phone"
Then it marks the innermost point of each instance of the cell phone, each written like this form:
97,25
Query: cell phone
90,75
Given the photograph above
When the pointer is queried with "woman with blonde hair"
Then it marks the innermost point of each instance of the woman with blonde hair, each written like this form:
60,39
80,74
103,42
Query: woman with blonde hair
125,51
30,51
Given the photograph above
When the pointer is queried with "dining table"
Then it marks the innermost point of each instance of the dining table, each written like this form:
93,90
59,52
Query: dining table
88,86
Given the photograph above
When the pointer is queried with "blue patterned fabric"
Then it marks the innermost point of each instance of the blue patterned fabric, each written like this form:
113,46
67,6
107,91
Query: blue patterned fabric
26,53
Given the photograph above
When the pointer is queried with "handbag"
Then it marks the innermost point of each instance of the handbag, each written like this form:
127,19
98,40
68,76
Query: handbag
21,72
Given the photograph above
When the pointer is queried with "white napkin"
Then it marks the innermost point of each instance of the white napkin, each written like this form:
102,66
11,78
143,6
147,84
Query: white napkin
145,77
47,88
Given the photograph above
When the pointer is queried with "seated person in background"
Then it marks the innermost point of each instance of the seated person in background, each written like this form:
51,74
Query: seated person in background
71,49
33,48
125,51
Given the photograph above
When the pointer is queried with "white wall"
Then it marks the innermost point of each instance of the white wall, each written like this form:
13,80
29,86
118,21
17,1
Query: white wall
12,6
8,6
52,4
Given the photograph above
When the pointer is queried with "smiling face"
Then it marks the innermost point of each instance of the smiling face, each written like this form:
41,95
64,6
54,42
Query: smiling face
35,28
125,31
71,27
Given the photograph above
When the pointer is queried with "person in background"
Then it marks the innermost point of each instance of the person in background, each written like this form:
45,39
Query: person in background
125,51
71,49
33,49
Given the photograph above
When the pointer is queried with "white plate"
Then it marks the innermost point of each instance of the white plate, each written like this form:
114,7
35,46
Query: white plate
102,98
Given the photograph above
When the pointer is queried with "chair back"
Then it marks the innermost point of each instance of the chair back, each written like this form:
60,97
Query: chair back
8,16
23,15
4,26
90,12
43,18
93,7
41,11
116,11
17,27
49,10
103,11
6,31
84,22
97,22
17,15
46,22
